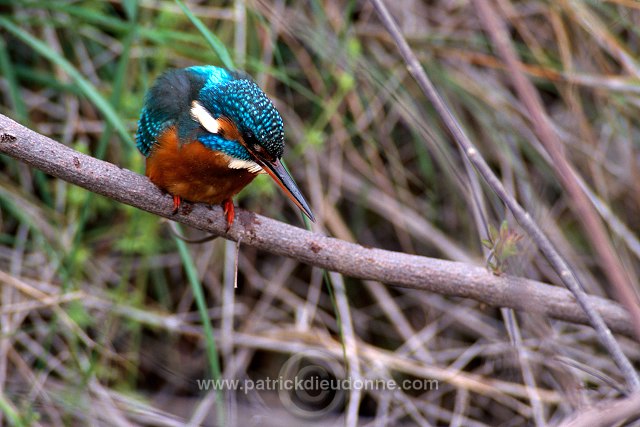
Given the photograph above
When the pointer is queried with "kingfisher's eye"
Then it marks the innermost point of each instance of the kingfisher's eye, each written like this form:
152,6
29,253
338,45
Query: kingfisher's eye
258,148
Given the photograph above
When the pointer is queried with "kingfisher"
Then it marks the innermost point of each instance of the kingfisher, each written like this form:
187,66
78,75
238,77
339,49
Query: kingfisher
207,132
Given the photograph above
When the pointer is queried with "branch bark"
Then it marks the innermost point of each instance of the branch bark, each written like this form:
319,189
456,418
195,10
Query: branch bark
524,219
404,270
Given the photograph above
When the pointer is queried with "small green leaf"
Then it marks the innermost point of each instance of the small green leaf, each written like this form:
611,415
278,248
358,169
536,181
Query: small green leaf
131,9
504,230
503,245
346,82
354,48
493,233
79,314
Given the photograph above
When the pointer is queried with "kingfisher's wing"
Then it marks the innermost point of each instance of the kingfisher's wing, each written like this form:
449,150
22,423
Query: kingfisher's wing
168,102
149,128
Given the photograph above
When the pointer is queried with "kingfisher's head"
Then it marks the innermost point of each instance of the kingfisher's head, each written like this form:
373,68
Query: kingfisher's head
227,112
242,122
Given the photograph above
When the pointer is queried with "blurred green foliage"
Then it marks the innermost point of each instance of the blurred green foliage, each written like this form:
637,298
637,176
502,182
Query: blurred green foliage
141,308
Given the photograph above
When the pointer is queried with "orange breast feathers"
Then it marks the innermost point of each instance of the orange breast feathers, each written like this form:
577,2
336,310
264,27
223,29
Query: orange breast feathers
193,171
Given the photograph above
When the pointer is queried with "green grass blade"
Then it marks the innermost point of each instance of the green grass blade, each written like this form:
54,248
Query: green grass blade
198,295
211,38
12,416
83,84
115,100
9,73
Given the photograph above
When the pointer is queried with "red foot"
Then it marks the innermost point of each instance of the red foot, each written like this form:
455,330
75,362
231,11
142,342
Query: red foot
229,211
176,204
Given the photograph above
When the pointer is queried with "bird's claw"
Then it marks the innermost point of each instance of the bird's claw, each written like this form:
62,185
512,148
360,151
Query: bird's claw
176,204
229,212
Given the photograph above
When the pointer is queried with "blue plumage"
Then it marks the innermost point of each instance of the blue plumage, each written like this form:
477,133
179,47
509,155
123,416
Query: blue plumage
229,94
193,115
211,74
248,107
229,147
148,130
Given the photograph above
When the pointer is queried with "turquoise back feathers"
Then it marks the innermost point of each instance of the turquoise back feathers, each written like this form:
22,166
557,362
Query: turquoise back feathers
224,94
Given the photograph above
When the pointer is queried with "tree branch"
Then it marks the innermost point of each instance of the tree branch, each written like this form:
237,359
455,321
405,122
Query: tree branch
409,271
525,220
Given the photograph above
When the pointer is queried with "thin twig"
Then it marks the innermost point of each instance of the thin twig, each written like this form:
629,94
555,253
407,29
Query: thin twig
613,412
585,212
523,217
410,271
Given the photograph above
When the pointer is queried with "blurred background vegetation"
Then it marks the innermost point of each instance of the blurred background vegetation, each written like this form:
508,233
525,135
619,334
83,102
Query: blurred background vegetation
98,321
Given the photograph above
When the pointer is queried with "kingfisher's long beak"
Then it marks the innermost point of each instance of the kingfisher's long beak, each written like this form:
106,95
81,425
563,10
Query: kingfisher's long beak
281,176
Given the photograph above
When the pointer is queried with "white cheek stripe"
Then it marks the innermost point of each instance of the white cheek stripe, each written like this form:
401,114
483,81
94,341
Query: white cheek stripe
204,117
249,165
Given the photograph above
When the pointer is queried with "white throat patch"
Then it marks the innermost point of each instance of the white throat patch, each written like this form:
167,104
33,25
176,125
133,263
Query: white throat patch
211,124
204,117
249,165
